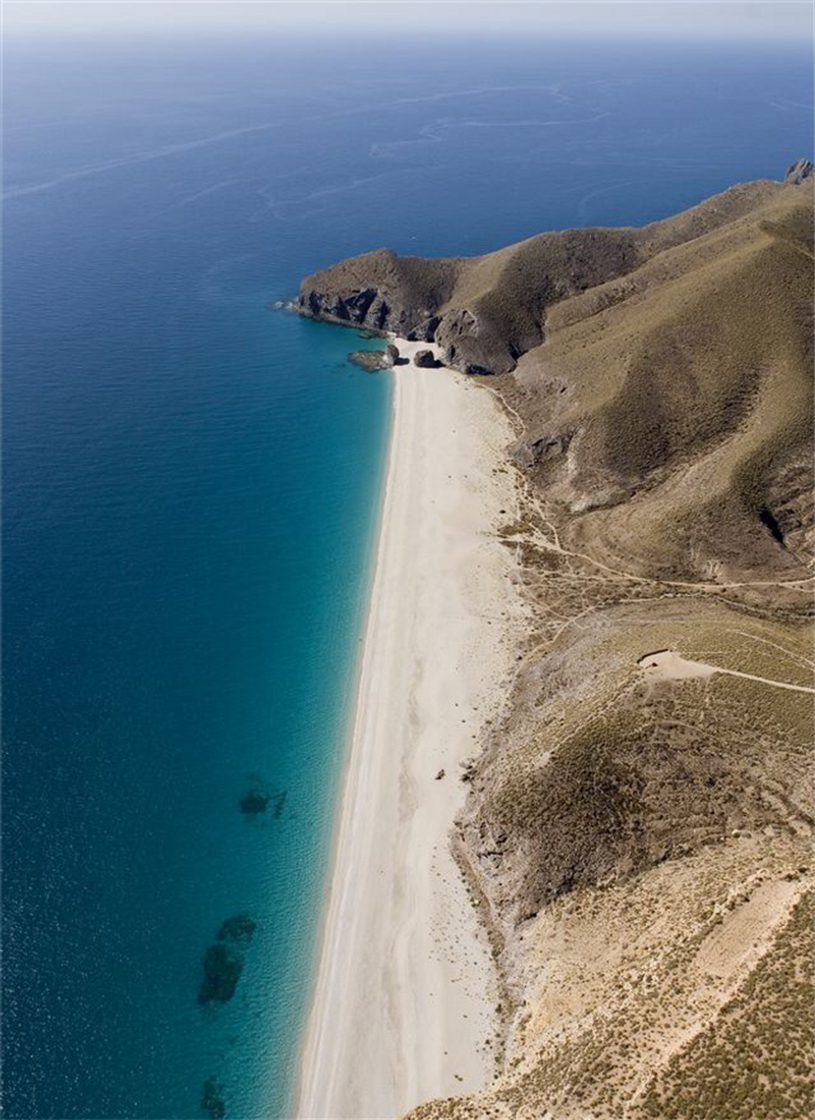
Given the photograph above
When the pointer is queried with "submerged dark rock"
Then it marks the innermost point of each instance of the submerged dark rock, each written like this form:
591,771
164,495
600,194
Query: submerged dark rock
255,801
223,961
240,929
222,971
212,1101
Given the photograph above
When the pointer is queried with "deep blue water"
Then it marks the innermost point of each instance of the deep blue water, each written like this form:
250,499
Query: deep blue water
191,483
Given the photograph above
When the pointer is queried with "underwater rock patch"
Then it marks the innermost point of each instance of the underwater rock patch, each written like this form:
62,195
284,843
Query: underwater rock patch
222,971
257,801
254,802
212,1101
223,961
239,929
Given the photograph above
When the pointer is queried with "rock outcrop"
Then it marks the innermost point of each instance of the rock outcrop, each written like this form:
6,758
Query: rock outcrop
379,290
486,312
799,171
373,360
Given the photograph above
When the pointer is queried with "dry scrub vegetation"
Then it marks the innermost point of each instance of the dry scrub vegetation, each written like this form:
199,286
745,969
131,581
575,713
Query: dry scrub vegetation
642,849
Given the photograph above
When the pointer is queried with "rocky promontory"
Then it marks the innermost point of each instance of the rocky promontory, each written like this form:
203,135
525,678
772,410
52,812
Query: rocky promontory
486,312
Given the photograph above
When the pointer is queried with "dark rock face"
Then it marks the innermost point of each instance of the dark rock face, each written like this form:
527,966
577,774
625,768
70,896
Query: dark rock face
382,292
457,324
799,171
426,359
426,331
352,308
222,971
368,307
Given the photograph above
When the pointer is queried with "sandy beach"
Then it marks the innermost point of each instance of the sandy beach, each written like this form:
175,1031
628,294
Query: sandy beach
405,992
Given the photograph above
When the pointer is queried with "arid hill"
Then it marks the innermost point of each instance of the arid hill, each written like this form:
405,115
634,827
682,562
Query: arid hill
487,311
662,375
638,830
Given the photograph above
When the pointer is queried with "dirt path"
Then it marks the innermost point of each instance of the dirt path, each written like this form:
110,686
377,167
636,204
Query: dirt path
667,665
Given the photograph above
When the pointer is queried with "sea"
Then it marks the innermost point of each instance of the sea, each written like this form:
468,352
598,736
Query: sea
192,478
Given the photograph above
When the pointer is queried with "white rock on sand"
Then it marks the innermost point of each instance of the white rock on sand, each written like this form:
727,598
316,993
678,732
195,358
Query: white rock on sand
405,990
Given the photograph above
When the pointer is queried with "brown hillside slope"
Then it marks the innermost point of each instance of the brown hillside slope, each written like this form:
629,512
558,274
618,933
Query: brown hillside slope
641,851
486,311
639,841
668,414
642,848
662,376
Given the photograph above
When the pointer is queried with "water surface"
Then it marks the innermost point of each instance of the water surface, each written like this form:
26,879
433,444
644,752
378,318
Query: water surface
191,483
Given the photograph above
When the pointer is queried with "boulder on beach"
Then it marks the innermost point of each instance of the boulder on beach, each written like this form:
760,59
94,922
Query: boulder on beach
426,359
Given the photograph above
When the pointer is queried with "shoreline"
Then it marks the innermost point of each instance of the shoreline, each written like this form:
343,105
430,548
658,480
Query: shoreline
404,999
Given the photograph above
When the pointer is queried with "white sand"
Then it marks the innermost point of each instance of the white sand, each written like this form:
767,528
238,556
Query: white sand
405,990
666,665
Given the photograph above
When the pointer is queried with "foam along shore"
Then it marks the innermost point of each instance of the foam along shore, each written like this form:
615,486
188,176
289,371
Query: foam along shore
405,993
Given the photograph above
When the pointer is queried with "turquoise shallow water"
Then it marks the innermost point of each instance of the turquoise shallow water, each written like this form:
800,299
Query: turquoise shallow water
191,483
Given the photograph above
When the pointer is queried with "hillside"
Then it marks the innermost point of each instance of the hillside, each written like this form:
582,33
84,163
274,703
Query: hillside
639,824
661,376
487,311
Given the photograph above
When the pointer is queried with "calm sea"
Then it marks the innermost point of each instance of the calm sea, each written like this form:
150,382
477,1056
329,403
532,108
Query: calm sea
192,480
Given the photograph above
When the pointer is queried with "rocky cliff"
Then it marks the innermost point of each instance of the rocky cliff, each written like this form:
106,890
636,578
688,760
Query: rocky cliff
485,312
